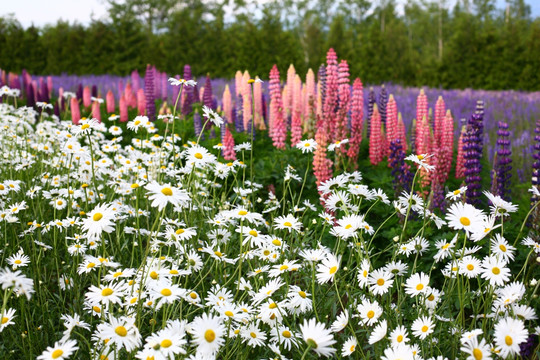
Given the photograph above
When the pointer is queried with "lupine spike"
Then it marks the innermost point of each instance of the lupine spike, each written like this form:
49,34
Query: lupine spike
228,145
109,99
258,103
502,169
87,97
227,105
383,100
278,131
123,105
75,110
344,96
357,119
96,111
141,102
375,138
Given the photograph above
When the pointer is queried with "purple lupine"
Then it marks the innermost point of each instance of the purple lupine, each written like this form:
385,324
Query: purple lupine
264,110
526,349
238,115
321,76
135,81
383,100
79,92
149,93
197,124
473,143
94,91
502,168
44,92
536,171
371,101
207,93
196,97
30,99
400,170
187,106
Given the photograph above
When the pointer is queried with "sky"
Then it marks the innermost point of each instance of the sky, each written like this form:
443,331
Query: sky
41,12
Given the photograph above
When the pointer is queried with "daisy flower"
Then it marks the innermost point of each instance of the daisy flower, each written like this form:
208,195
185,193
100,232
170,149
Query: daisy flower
168,342
284,336
349,346
138,122
464,216
212,116
379,332
501,248
470,266
509,334
120,331
327,269
417,284
337,144
6,318
317,337
307,146
495,270
288,222
456,194
399,352
207,332
500,207
420,160
85,127
476,350
107,294
100,219
380,281
399,336
253,335
161,195
341,322
422,327
18,260
369,312
60,350
198,156
178,82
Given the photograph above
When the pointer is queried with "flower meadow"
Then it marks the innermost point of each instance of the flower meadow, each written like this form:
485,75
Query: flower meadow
307,223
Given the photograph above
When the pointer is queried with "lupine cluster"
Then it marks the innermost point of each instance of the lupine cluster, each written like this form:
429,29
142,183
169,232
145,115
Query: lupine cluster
502,168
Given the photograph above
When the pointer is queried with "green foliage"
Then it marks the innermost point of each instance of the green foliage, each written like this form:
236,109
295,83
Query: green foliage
473,44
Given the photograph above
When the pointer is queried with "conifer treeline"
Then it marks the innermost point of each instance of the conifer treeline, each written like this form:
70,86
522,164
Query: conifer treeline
472,44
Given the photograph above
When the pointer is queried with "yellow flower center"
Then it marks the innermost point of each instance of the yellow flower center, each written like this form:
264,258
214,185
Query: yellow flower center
272,305
193,295
348,226
266,252
166,191
380,282
351,349
107,292
154,275
253,335
470,267
477,353
283,267
306,144
85,126
96,309
502,247
57,353
253,233
399,338
134,186
5,320
445,246
496,270
229,313
508,340
302,294
370,314
456,192
17,261
166,343
425,328
333,269
117,274
198,156
464,221
431,297
419,287
286,223
218,253
97,216
120,331
420,157
180,231
166,292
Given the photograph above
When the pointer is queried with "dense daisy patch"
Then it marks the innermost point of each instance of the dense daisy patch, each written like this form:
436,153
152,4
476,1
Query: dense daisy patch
162,249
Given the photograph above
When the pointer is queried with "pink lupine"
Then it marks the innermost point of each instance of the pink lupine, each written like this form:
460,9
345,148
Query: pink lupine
61,98
75,110
288,100
123,109
141,102
238,86
278,131
344,96
440,113
331,96
130,97
310,103
357,119
96,111
87,97
247,108
110,102
401,132
296,122
421,113
376,151
228,145
227,105
391,121
322,166
50,85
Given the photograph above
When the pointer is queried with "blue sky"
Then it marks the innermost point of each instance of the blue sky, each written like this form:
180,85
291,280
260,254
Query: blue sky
40,12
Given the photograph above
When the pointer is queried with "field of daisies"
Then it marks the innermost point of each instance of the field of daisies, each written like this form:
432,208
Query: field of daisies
129,241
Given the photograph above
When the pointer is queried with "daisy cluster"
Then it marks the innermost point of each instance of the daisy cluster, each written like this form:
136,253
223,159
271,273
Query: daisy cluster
160,249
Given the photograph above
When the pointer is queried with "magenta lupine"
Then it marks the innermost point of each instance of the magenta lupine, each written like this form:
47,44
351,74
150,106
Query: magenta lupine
440,114
109,99
123,105
278,131
344,96
376,143
296,122
247,108
402,133
75,110
227,105
187,103
331,96
87,97
96,111
135,80
207,94
50,86
228,145
310,104
130,97
141,102
357,119
422,125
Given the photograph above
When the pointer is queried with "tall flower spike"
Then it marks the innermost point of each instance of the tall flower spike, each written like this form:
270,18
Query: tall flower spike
278,131
258,103
310,103
187,104
357,119
331,98
87,97
288,100
344,96
227,105
228,145
296,123
141,102
149,93
75,110
207,95
321,76
371,102
383,101
502,169
110,102
375,138
96,111
473,145
391,121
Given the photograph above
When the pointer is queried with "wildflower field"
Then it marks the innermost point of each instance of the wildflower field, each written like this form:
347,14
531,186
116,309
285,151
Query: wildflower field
170,218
